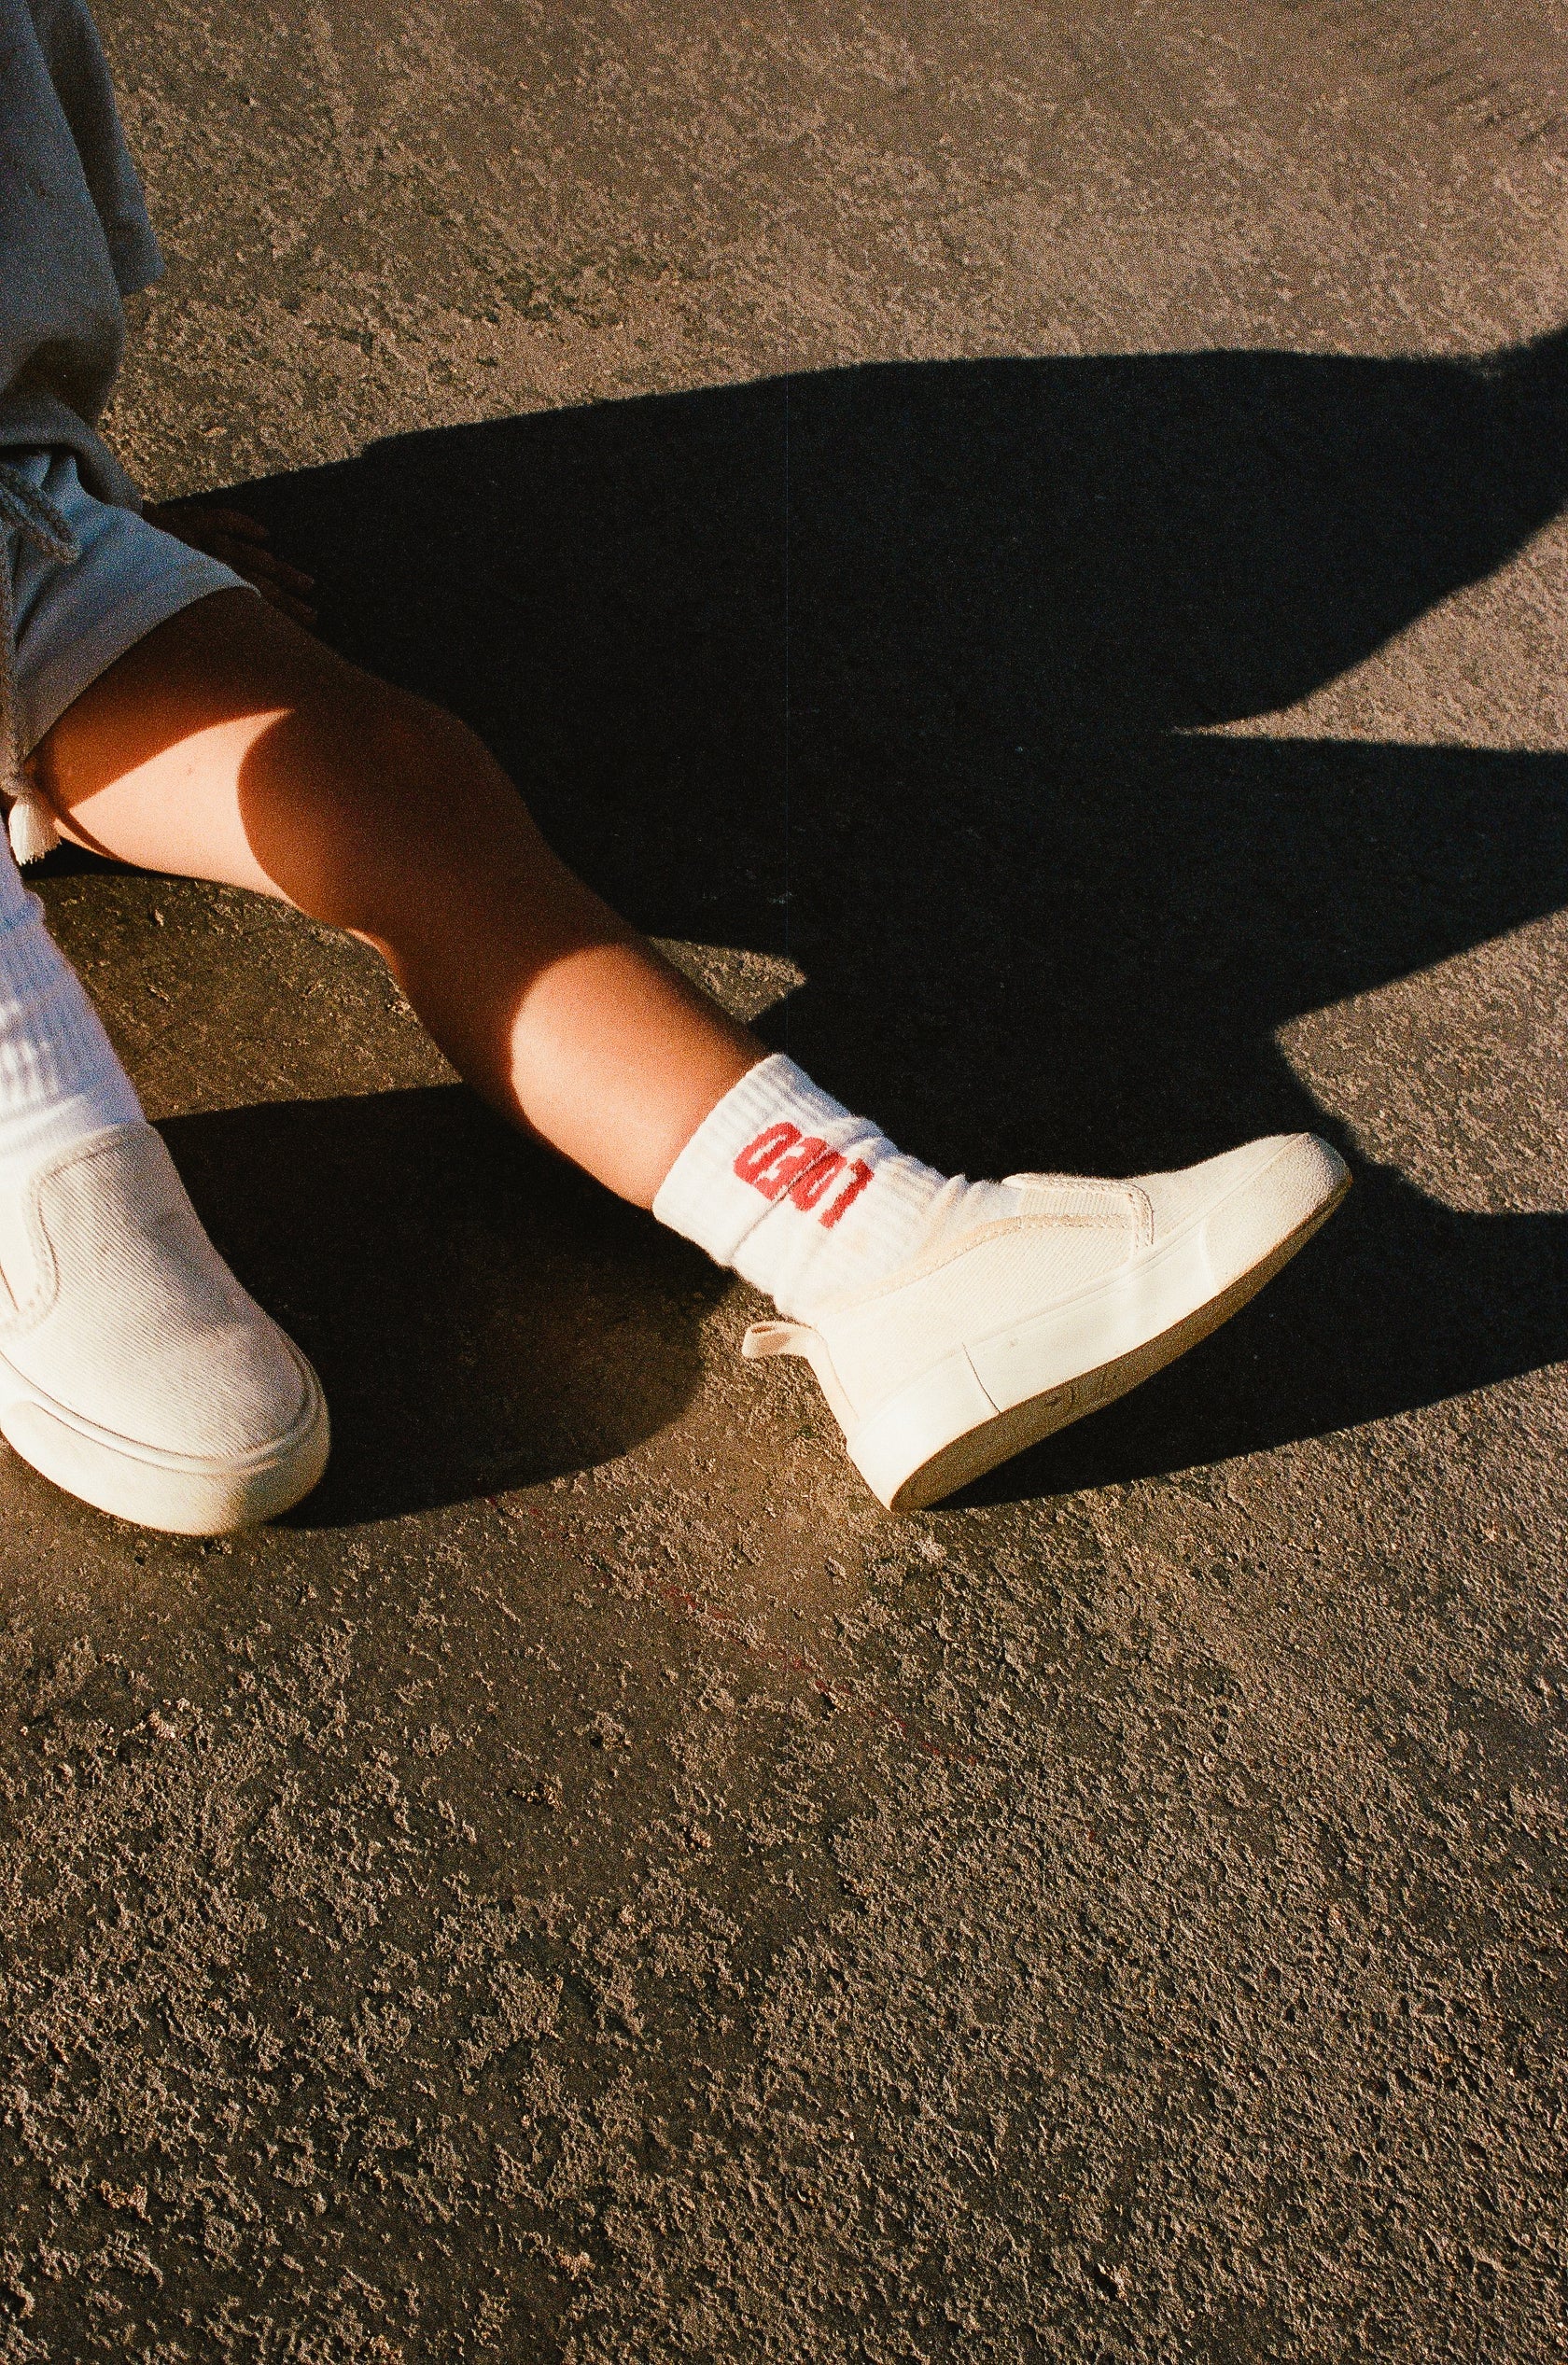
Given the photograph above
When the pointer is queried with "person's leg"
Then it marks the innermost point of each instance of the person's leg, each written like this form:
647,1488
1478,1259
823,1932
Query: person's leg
229,745
950,1322
133,1369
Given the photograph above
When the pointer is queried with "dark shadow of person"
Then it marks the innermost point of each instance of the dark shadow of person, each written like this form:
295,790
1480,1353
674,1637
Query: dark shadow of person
482,1316
890,668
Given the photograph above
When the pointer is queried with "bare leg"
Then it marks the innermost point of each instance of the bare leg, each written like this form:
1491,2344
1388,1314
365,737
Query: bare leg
228,744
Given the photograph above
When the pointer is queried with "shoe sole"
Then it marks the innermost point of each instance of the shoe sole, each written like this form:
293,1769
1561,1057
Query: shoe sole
926,1477
184,1494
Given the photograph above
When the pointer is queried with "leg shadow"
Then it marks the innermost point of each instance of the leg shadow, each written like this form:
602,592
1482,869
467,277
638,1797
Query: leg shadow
462,1295
892,670
1398,1302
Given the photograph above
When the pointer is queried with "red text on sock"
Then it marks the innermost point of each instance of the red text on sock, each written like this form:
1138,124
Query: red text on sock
779,1161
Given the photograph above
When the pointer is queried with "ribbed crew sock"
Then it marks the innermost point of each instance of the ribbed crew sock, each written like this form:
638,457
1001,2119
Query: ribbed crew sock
808,1201
59,1079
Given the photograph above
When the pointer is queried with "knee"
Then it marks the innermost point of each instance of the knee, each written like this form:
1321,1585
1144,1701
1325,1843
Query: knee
397,748
368,755
352,786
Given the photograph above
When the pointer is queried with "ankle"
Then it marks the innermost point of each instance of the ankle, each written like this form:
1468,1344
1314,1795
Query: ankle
59,1079
807,1200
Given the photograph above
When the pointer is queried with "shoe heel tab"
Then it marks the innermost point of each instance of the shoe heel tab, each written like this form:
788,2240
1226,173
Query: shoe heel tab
776,1338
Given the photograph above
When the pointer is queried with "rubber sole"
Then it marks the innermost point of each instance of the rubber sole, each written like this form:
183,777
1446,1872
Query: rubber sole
996,1439
183,1494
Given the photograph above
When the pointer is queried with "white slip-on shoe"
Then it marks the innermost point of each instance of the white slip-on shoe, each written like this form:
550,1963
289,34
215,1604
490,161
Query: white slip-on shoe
1003,1333
135,1371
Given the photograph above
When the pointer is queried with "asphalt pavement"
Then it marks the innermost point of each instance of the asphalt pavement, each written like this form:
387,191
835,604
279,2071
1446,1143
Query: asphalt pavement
1026,546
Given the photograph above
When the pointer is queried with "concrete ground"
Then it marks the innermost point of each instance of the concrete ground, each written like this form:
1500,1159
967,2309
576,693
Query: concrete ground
1024,539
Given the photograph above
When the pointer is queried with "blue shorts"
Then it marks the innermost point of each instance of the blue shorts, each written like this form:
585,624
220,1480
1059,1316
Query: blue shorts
73,621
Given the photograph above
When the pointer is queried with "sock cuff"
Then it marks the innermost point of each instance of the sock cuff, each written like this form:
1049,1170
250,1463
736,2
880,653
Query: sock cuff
702,1197
800,1198
53,1042
763,1089
16,903
18,906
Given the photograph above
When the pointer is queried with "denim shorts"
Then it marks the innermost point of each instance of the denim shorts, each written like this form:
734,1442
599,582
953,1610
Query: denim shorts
73,621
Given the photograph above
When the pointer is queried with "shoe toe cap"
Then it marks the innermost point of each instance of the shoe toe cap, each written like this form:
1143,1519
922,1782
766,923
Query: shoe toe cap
1252,1197
138,1327
229,1391
240,1392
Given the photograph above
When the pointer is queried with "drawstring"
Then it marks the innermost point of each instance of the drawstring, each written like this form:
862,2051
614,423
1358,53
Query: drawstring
26,511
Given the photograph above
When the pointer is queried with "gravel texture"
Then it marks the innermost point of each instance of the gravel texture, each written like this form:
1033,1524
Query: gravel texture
1024,540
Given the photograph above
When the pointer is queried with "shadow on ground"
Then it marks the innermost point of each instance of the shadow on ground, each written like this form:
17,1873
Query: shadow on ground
482,1317
892,670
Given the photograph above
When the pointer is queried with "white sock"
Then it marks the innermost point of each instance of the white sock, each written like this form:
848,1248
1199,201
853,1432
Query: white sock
59,1077
807,1201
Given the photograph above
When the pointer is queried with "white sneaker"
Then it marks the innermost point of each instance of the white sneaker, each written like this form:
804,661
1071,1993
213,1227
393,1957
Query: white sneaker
991,1341
135,1371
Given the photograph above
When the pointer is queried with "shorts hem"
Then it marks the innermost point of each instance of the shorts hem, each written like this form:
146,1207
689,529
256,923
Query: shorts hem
46,691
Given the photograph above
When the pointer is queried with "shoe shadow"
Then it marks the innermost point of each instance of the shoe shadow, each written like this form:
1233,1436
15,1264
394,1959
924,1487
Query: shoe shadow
890,670
461,1293
1398,1302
